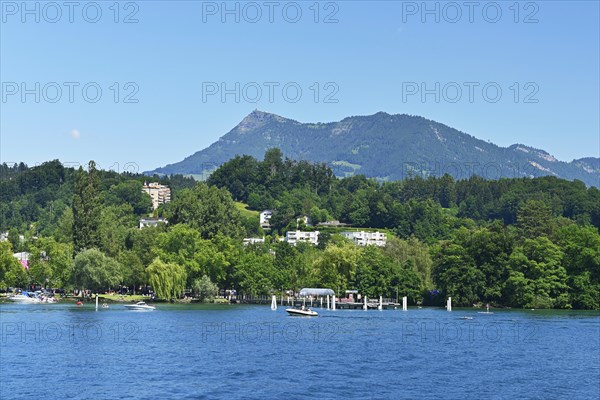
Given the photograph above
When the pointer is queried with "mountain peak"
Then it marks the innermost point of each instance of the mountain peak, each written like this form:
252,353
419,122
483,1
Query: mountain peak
383,146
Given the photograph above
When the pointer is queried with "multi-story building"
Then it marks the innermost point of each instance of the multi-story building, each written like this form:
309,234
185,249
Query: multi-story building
265,218
160,194
363,238
294,237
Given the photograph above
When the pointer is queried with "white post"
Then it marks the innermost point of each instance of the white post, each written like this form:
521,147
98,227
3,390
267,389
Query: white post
321,302
328,302
449,304
380,307
311,301
96,301
274,303
365,305
404,303
288,300
333,302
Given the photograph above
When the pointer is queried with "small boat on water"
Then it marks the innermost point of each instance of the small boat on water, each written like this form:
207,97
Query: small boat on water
140,306
487,310
25,297
465,317
301,312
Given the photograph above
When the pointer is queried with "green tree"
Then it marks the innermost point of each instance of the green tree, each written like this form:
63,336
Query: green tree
542,280
167,279
336,265
95,271
209,210
130,192
534,219
255,274
182,245
456,275
51,262
12,273
86,209
204,288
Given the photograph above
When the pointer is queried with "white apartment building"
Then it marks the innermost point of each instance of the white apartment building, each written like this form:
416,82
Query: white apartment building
294,237
253,240
363,238
160,194
265,218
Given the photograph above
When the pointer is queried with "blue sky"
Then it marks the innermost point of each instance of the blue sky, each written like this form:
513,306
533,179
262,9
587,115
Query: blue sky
352,58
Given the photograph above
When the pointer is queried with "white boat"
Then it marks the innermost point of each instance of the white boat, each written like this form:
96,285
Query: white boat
25,297
301,312
487,310
140,306
466,317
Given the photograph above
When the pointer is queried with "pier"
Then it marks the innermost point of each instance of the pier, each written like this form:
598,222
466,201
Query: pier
343,304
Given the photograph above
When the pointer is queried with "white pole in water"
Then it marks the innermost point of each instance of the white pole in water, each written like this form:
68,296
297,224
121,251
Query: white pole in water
365,305
328,302
311,301
449,304
321,302
96,301
380,307
404,304
274,303
333,302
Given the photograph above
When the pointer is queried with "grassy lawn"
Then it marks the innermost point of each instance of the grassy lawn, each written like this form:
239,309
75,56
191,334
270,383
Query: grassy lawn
243,208
118,297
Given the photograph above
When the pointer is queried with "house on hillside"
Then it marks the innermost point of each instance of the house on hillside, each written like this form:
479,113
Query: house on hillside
265,217
295,237
248,241
152,222
363,238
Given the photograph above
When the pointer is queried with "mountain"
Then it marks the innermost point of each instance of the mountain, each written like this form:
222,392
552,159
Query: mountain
383,146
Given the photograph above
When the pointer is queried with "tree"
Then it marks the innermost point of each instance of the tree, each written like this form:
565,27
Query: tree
12,273
336,265
209,210
534,219
183,246
456,275
95,271
255,274
537,278
167,279
130,192
51,262
86,209
204,288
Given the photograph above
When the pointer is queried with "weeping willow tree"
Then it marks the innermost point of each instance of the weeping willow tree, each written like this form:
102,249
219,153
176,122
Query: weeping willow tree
167,279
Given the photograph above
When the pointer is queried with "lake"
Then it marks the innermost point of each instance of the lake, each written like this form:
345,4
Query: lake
231,351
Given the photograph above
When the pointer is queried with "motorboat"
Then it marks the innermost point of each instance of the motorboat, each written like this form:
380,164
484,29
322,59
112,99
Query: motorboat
140,306
301,312
465,317
25,297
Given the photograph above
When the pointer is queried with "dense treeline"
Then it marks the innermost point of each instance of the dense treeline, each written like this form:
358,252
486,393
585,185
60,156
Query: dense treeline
512,242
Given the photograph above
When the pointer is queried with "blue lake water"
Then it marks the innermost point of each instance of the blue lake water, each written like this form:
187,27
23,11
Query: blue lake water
192,352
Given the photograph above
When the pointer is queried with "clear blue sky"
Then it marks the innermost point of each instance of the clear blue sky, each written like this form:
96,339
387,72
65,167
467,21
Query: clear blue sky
372,56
